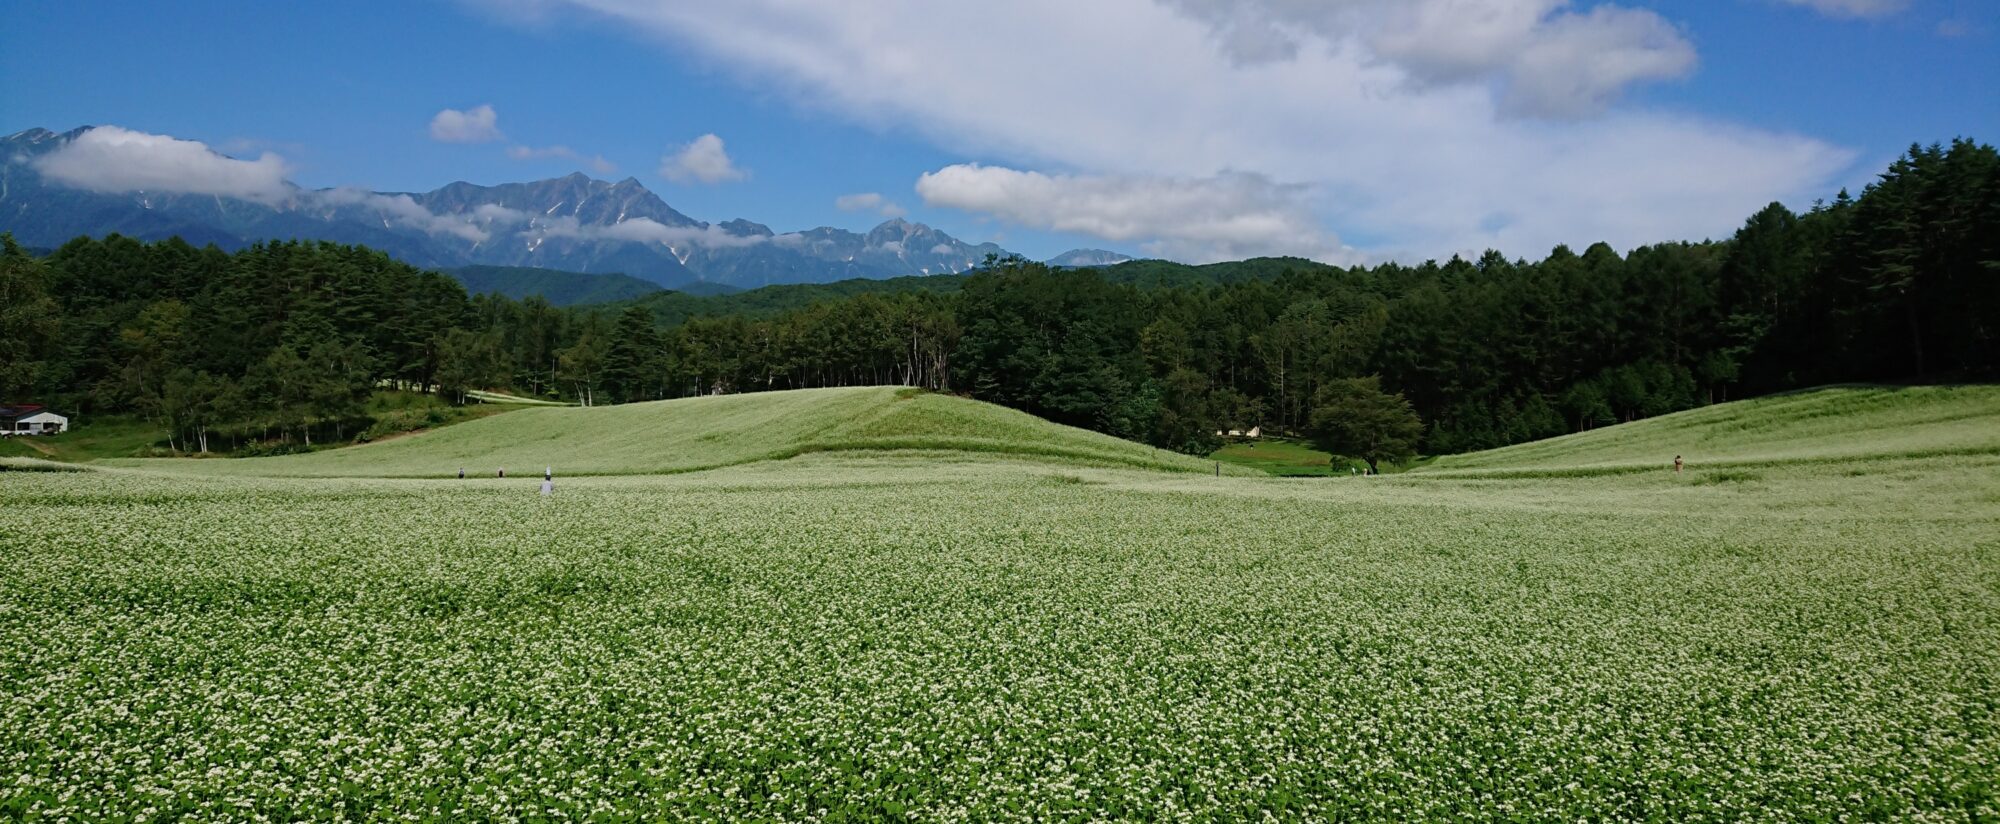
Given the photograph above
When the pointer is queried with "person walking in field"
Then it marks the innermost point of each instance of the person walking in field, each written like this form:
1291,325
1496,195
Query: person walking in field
548,473
548,487
461,473
503,472
1677,464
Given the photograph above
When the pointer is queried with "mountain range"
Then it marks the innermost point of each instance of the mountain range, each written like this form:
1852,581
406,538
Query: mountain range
575,223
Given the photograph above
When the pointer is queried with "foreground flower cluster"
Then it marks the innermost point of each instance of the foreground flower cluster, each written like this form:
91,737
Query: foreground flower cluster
839,640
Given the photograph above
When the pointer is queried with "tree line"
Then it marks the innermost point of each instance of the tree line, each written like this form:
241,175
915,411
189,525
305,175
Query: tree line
286,340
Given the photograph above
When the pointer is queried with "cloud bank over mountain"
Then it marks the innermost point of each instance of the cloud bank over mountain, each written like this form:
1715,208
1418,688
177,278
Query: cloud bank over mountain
98,180
112,159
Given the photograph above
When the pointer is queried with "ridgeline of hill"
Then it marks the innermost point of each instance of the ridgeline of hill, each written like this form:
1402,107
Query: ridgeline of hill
701,433
1825,424
672,308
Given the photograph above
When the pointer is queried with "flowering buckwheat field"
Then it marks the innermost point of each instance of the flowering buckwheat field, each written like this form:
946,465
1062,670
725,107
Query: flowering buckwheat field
976,636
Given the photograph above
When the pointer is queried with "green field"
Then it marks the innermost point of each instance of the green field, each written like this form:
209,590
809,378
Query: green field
922,607
1280,457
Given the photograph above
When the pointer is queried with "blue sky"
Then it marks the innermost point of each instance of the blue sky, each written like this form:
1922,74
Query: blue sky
1195,129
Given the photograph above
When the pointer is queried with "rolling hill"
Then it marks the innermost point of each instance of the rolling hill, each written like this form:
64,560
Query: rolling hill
702,433
1826,424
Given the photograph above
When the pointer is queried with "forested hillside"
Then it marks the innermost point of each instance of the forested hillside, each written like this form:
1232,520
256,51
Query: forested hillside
675,307
1899,284
557,287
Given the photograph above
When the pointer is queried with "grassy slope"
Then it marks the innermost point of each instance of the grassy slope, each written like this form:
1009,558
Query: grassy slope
701,433
1840,424
1278,457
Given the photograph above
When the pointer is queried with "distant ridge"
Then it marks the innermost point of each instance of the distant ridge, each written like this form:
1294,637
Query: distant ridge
557,287
671,308
1088,257
704,289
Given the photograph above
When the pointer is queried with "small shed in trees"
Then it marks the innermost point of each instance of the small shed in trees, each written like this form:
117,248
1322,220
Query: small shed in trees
30,419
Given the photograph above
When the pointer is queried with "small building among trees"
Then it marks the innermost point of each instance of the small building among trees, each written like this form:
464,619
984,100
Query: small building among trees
30,419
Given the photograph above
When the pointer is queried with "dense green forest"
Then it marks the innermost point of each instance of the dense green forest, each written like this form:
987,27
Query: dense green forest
287,340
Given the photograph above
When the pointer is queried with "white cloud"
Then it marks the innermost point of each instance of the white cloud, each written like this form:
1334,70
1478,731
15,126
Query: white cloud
1544,59
113,159
642,230
702,161
479,124
1853,8
1406,153
1228,216
636,230
1564,65
494,213
869,202
533,153
401,210
597,163
480,224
